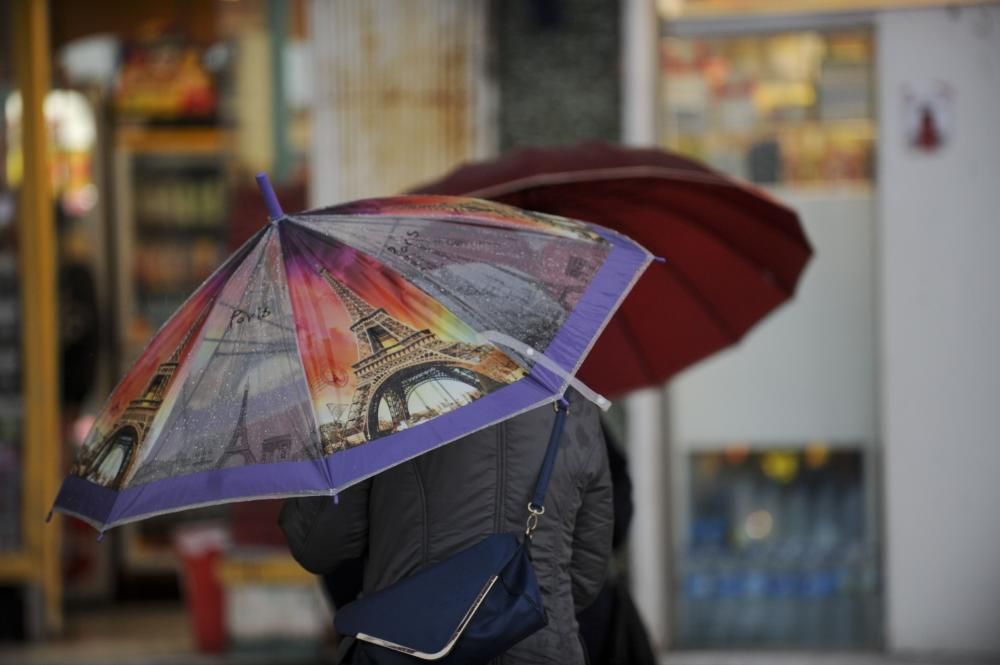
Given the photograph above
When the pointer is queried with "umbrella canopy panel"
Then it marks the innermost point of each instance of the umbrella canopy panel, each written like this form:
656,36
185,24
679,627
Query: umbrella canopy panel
339,342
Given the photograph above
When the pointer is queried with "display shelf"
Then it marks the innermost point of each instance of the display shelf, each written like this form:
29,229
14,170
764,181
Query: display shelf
778,551
171,141
270,599
160,230
262,566
781,108
11,412
148,547
171,232
861,129
16,567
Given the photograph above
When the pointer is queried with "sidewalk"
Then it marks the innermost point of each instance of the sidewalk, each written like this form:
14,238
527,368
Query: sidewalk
160,635
785,658
143,635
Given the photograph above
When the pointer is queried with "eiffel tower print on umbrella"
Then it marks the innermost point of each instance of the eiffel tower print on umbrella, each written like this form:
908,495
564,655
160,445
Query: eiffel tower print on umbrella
339,342
417,357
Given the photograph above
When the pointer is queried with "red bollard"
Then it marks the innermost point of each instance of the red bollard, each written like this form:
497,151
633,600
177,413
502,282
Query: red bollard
199,547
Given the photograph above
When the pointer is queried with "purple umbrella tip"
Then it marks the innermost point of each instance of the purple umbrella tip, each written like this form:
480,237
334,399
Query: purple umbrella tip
274,211
659,259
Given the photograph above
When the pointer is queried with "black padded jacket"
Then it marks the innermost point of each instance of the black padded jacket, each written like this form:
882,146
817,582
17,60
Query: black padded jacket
450,498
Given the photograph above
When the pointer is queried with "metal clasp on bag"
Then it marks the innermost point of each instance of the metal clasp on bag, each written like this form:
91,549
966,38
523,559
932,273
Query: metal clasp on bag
533,514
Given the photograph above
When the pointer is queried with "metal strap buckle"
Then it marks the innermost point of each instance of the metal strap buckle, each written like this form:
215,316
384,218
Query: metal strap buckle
533,514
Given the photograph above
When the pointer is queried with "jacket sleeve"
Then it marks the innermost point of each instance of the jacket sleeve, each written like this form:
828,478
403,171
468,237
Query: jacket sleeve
593,530
323,533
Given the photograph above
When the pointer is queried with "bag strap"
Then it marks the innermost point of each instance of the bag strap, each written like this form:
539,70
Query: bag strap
536,507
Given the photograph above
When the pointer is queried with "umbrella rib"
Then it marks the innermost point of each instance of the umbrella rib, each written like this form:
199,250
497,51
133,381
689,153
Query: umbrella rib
379,257
490,182
314,233
707,306
697,222
225,354
468,307
538,181
236,342
757,266
232,265
187,396
302,366
633,339
218,301
426,217
591,175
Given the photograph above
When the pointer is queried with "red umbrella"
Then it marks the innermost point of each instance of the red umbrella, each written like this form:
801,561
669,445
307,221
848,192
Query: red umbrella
732,253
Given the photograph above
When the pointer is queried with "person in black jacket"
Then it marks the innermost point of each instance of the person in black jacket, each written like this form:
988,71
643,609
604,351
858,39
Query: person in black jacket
424,510
612,629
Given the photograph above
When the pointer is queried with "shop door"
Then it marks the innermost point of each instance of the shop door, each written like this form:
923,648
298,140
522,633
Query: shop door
773,461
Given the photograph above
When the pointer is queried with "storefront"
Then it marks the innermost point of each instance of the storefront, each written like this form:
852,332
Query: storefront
137,184
777,481
776,516
774,513
130,134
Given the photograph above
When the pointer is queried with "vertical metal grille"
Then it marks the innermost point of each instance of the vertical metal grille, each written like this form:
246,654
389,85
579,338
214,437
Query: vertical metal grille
402,93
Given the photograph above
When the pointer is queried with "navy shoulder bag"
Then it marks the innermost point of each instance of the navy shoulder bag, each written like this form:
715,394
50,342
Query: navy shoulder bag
468,608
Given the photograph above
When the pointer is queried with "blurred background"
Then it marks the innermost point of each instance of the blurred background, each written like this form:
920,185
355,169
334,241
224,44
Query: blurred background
825,491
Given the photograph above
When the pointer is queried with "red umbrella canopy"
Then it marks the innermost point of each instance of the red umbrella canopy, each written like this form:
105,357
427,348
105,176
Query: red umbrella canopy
732,253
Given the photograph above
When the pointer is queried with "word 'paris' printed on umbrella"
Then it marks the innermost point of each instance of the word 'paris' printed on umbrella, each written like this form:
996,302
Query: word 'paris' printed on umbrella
339,342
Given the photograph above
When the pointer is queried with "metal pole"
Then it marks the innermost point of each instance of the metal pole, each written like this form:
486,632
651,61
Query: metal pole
277,11
37,242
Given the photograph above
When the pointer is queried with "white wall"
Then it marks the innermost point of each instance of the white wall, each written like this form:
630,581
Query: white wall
808,371
650,560
940,342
